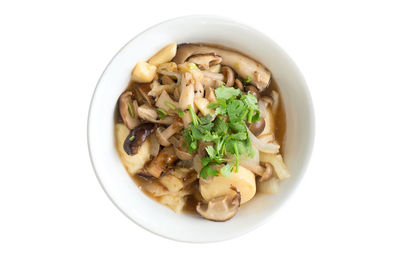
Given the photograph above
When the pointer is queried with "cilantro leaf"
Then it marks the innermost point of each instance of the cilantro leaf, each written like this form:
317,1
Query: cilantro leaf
236,109
226,93
220,126
208,171
226,170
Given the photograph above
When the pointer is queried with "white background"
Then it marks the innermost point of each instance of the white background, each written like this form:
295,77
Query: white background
53,211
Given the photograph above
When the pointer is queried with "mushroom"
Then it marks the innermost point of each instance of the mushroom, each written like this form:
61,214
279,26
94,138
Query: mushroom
157,88
163,136
238,84
211,79
244,66
257,127
162,162
252,90
179,150
210,94
221,208
127,111
267,173
137,137
229,76
164,101
198,89
205,61
187,96
144,89
148,113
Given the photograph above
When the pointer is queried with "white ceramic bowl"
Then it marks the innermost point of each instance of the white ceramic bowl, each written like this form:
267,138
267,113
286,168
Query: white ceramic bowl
123,191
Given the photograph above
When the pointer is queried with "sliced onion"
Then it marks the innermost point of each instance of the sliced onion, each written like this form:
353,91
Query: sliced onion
262,146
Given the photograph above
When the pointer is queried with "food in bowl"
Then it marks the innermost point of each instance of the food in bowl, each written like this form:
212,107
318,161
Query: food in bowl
200,128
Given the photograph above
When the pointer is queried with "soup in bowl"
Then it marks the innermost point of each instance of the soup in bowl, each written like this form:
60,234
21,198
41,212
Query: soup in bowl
200,137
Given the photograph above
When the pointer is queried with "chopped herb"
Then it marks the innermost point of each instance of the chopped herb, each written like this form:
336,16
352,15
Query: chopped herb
172,107
226,93
130,109
131,138
195,119
192,67
208,171
248,80
180,112
162,113
226,170
226,130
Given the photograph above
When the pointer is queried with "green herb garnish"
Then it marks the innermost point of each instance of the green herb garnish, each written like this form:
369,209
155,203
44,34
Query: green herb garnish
180,112
192,67
227,131
162,113
131,138
130,109
172,107
248,80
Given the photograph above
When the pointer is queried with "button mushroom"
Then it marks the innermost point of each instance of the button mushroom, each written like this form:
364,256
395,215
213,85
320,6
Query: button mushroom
162,162
163,136
205,61
244,66
127,110
221,208
137,137
239,84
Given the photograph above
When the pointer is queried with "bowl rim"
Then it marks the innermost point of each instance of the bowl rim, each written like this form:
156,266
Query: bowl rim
309,149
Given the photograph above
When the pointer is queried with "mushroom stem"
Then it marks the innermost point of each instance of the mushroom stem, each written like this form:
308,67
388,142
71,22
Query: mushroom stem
163,136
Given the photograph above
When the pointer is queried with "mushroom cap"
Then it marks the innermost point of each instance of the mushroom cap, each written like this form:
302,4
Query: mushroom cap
124,101
260,76
204,61
257,127
221,208
137,137
229,76
267,173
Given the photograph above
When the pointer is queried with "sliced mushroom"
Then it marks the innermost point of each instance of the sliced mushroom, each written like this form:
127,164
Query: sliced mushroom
221,208
186,97
212,79
198,89
137,137
144,89
229,76
127,111
210,94
148,113
257,127
205,61
163,136
267,173
162,162
167,80
239,84
157,88
180,152
243,65
164,101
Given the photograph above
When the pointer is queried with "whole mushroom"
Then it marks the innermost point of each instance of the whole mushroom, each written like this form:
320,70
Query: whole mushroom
221,208
127,110
137,137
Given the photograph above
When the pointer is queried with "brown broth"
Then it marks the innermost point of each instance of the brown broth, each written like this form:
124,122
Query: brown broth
280,133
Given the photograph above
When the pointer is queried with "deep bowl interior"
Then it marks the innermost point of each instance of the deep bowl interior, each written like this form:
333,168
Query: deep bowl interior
110,171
